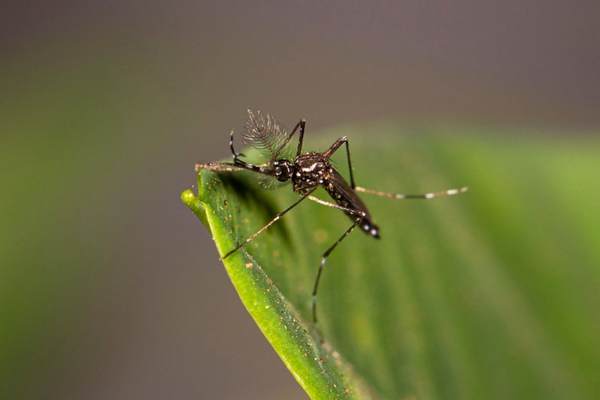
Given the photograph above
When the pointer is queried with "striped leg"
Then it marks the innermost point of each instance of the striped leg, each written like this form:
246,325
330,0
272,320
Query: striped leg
424,196
241,163
322,265
351,211
300,127
237,164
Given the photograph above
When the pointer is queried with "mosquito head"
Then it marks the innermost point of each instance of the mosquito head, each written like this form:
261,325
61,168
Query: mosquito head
282,169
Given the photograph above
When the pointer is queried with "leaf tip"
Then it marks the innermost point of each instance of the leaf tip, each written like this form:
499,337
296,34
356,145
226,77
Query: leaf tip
193,203
188,198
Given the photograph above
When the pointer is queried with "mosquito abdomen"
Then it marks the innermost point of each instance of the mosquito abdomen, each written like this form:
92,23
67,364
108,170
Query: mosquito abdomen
369,228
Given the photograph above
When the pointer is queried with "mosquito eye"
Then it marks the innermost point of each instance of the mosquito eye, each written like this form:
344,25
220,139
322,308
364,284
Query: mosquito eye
278,171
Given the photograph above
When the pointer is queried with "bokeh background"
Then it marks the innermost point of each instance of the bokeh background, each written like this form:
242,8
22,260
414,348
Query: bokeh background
109,287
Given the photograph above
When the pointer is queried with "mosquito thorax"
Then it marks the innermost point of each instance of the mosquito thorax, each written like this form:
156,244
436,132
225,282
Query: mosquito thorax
309,171
282,169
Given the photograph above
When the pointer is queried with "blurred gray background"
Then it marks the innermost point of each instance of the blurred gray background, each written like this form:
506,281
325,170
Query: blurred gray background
110,287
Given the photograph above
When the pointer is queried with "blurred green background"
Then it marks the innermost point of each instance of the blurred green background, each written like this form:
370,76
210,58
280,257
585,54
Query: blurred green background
109,288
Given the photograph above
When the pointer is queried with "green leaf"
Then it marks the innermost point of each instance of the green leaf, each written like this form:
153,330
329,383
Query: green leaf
492,294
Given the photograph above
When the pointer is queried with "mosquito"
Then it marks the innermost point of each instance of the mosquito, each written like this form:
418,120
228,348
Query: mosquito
307,172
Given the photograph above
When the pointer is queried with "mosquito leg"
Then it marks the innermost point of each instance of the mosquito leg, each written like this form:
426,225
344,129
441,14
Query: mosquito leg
424,196
322,265
235,154
336,145
266,226
351,211
299,126
237,162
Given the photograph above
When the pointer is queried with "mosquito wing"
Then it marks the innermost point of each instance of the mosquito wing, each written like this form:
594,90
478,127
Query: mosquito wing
347,194
266,135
